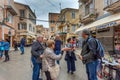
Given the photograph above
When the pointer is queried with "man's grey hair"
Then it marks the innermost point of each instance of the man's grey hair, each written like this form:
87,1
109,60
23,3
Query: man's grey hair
39,36
86,31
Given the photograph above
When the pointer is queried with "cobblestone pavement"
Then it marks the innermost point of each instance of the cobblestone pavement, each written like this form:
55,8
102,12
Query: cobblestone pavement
19,68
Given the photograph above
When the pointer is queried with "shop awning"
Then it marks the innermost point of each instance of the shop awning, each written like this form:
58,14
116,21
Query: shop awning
108,19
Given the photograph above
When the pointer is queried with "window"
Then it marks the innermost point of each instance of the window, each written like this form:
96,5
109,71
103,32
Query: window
73,14
73,28
22,13
22,26
52,21
52,29
30,27
33,29
32,18
9,18
87,9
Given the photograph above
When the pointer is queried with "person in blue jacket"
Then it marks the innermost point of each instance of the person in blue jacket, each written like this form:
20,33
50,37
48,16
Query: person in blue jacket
70,57
58,44
1,48
22,45
7,48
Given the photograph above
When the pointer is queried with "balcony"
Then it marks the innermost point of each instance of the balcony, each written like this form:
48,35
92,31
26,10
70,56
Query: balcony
11,9
112,6
90,17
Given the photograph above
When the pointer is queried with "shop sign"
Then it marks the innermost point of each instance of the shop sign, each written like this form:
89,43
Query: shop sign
106,25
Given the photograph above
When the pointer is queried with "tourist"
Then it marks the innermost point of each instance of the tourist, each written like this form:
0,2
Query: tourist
58,44
7,48
1,48
22,45
88,55
70,57
50,60
36,57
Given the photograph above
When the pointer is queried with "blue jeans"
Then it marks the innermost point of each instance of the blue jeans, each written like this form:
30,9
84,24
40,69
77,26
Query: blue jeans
71,65
36,69
57,52
91,69
1,54
22,49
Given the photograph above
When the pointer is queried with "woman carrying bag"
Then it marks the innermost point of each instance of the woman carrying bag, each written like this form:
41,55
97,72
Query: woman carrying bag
50,67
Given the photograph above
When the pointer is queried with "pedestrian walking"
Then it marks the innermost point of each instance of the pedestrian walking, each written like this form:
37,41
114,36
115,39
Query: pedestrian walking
22,45
1,48
58,44
89,54
49,61
70,57
7,48
36,57
15,45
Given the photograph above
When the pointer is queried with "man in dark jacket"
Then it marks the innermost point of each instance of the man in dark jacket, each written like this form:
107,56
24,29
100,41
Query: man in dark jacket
22,45
88,55
37,51
58,44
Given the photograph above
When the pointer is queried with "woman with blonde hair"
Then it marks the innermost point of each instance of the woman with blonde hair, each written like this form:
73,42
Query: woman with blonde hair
49,60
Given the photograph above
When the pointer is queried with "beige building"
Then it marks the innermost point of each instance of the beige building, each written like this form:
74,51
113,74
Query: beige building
40,30
8,13
53,20
102,17
26,26
68,23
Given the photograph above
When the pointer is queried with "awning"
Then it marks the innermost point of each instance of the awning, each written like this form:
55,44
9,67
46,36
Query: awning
108,19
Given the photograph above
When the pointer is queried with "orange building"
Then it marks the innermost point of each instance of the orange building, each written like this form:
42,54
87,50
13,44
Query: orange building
53,20
7,19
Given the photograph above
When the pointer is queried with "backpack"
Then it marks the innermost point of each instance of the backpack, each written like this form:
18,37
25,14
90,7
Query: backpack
99,50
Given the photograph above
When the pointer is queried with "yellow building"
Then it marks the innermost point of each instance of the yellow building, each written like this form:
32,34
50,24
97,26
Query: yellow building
68,23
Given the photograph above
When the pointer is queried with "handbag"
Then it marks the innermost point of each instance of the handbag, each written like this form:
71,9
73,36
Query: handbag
54,70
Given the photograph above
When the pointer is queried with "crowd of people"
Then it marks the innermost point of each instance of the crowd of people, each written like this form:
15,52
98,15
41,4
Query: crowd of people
5,48
47,58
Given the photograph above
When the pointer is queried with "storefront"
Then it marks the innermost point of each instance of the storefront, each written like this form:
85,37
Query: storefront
107,30
105,33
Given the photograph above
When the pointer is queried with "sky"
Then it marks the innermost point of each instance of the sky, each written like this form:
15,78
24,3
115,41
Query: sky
43,7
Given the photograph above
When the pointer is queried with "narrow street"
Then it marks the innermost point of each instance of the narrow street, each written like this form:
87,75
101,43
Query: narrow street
19,68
